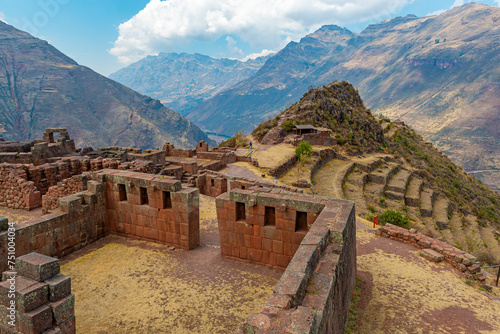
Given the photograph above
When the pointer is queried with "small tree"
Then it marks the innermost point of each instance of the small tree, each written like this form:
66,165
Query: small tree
288,125
303,152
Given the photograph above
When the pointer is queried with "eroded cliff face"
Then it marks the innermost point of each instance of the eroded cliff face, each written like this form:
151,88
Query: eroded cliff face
40,87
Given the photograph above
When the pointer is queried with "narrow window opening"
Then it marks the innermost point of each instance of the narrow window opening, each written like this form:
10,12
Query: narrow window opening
243,187
240,211
301,221
167,201
144,196
212,181
122,192
270,217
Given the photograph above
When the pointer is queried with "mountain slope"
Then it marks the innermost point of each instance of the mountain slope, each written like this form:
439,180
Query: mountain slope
40,87
382,165
439,74
181,81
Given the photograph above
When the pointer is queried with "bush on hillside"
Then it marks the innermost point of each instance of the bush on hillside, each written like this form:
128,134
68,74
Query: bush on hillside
394,218
236,141
288,125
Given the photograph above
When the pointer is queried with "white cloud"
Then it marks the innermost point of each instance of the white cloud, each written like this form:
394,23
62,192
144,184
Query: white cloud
437,12
263,53
233,49
263,24
3,17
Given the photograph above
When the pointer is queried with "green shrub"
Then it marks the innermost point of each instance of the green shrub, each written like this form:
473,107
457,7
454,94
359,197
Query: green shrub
238,140
288,125
304,150
394,218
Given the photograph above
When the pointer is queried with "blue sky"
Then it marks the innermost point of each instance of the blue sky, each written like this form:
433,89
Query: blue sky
106,35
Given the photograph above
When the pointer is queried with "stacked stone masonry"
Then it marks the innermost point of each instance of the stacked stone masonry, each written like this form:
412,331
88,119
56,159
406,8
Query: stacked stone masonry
75,184
314,293
151,207
43,299
462,261
15,191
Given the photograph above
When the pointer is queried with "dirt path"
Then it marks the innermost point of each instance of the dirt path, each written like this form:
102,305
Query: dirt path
403,293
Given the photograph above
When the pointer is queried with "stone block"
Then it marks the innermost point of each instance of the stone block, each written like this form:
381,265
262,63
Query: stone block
432,255
63,309
68,327
59,287
29,294
303,321
256,322
292,284
37,266
4,223
35,321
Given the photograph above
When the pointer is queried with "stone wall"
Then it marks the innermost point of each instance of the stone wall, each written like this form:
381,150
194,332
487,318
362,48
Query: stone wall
462,261
325,156
177,152
151,207
211,185
82,222
321,138
283,168
74,184
44,302
264,228
15,191
314,293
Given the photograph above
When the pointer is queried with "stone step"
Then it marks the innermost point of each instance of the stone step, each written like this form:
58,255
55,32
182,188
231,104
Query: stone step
334,175
412,196
394,195
426,201
354,191
399,181
440,212
384,173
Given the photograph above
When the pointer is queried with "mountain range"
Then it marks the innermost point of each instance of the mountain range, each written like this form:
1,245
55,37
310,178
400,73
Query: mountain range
40,88
182,81
440,74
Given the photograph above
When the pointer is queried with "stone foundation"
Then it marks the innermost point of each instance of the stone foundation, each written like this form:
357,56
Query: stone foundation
43,298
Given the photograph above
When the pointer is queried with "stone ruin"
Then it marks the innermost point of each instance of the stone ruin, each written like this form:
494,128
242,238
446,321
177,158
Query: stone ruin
153,195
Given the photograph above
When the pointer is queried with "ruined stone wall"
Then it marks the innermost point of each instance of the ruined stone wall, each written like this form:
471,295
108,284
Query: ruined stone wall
314,293
244,183
157,157
82,222
74,184
283,168
211,184
325,156
264,228
15,191
460,260
177,152
44,302
151,207
319,139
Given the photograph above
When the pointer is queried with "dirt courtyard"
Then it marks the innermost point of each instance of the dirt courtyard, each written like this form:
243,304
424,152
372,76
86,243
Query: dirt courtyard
129,286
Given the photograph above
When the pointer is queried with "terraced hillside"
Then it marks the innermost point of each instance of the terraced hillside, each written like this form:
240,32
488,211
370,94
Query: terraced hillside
402,172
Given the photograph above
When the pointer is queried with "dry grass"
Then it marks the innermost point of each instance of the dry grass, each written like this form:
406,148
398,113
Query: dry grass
416,290
138,287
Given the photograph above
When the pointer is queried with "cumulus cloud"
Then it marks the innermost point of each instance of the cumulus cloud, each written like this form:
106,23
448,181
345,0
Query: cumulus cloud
262,24
2,17
263,53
